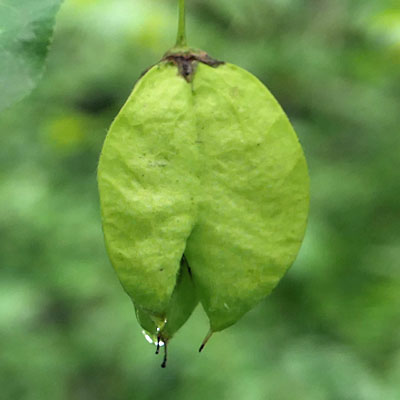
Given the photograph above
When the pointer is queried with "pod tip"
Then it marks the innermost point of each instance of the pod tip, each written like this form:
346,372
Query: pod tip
205,341
164,363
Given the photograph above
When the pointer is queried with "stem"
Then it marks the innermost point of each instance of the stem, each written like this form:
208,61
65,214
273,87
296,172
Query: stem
181,38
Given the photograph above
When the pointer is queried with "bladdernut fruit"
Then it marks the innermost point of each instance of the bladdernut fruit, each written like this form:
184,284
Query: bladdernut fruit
204,193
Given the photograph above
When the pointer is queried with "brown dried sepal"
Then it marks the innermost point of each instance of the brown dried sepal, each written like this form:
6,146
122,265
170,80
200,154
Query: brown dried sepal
187,62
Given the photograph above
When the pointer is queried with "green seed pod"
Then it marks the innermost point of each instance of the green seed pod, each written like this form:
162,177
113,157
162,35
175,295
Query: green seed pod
181,305
147,185
253,197
201,161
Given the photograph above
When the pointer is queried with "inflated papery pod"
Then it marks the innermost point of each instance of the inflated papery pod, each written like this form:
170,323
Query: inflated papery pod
204,192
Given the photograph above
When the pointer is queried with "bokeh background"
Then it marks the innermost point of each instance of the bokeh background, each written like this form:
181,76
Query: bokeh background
331,329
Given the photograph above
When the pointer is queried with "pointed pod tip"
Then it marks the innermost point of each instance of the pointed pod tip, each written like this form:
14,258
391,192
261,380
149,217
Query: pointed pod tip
164,363
158,344
205,341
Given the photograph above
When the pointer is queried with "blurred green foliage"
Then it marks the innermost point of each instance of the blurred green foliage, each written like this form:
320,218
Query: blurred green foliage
26,28
331,330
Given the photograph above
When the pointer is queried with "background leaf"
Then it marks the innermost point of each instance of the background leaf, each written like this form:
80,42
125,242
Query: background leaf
26,27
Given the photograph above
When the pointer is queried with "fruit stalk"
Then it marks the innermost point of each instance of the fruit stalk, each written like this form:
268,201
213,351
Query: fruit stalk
181,38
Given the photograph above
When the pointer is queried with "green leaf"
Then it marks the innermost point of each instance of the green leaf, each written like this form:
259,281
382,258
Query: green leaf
26,28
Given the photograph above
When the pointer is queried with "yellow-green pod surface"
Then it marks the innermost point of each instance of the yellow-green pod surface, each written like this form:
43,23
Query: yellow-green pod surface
209,168
254,193
147,185
181,305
